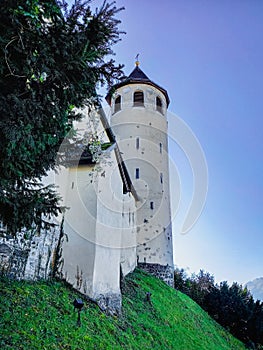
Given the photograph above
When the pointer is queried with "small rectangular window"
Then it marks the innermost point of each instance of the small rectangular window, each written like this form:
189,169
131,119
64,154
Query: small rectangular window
152,205
161,148
137,173
161,178
137,143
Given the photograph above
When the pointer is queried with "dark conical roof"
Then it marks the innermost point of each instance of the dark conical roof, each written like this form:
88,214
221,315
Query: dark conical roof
136,76
137,73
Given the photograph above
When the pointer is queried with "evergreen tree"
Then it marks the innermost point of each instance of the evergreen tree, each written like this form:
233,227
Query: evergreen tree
52,59
231,306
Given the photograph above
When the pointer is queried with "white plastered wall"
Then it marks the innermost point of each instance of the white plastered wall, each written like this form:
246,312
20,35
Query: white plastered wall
142,138
99,239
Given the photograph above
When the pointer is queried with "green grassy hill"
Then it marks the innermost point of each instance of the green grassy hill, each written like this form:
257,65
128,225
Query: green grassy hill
40,316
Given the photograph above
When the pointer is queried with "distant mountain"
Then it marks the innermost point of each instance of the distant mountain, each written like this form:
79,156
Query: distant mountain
256,288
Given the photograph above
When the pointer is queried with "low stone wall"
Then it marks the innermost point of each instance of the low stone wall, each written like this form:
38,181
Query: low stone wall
165,273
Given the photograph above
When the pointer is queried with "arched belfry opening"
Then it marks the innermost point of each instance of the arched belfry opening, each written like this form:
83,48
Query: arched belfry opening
117,104
138,98
159,105
138,77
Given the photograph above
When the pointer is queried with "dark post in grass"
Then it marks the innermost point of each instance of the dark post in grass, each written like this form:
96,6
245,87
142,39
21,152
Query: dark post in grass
78,304
148,297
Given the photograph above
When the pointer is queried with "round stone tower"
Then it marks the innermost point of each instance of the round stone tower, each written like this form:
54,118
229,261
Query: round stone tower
138,120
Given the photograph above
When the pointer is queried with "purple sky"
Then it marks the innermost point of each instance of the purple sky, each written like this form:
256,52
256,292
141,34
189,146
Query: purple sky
208,55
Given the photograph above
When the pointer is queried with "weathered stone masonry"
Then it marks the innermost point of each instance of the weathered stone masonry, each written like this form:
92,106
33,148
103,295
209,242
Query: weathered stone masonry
164,273
28,259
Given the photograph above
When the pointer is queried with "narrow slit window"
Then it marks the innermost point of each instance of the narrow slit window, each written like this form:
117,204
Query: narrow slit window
152,205
138,98
161,147
137,173
137,142
124,189
161,178
117,105
159,105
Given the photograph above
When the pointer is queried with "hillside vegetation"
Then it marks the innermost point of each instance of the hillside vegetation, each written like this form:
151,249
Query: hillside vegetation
232,306
41,316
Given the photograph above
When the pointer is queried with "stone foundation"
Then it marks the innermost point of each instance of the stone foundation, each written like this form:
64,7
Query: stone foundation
109,303
164,273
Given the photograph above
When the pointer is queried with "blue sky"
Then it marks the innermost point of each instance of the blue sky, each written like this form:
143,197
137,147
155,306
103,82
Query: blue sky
208,55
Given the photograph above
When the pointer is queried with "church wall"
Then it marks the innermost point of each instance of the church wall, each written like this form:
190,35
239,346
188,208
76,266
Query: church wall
92,249
111,207
78,248
129,242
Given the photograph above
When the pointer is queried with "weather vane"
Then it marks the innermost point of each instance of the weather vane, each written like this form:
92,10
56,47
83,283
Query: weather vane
137,59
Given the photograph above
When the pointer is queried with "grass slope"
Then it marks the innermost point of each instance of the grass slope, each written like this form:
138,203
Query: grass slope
40,316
